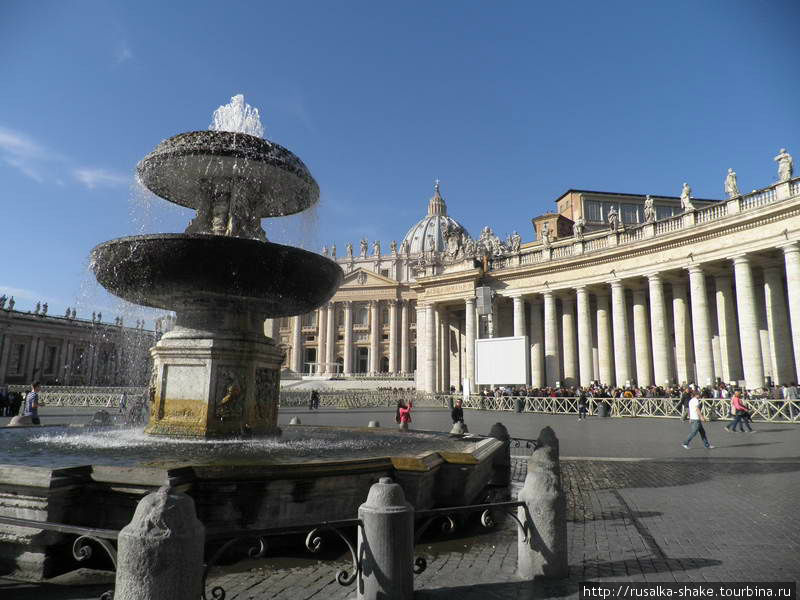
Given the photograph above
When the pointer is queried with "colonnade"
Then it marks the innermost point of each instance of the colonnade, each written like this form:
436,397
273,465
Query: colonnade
736,320
337,338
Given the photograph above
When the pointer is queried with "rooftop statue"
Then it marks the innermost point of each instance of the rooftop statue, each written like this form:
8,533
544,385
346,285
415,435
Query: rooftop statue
349,250
363,247
613,219
376,248
731,187
649,210
686,198
333,251
393,248
578,227
785,166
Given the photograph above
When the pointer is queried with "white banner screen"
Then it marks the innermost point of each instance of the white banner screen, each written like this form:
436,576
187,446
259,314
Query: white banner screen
501,361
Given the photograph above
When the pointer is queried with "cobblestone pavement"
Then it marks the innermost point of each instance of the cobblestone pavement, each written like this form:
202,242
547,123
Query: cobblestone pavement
633,521
649,511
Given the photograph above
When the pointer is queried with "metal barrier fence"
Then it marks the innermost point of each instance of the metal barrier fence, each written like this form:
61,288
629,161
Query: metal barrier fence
776,411
357,399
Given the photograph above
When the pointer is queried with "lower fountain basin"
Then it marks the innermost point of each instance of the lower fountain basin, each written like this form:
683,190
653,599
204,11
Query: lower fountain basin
174,271
313,474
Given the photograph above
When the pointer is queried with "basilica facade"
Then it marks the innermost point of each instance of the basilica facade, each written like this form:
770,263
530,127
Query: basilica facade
622,289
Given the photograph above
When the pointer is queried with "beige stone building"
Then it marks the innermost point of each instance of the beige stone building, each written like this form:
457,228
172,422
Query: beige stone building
687,290
68,350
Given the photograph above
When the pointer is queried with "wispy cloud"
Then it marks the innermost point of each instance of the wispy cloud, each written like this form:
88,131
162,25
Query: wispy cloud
93,177
24,154
122,53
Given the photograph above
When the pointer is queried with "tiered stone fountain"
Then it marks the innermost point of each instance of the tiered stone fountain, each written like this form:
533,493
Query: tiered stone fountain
215,373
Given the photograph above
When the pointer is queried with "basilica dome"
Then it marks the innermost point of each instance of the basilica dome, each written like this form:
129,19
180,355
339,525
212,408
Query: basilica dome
429,234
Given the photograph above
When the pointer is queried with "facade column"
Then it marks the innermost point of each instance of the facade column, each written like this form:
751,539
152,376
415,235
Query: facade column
422,364
374,336
778,325
658,330
537,345
330,338
585,362
347,355
641,336
469,324
430,348
4,357
321,337
568,340
552,365
791,256
297,345
684,373
404,338
752,360
621,343
701,328
445,349
392,336
605,354
519,316
728,334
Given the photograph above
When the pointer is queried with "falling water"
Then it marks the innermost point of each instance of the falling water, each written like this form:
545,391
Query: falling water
239,117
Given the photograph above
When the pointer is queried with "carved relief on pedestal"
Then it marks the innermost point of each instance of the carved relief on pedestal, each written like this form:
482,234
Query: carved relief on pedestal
230,393
266,396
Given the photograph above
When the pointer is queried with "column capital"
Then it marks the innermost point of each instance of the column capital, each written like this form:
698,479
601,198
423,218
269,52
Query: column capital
393,302
348,304
617,284
741,259
469,300
548,294
583,288
654,277
791,247
695,269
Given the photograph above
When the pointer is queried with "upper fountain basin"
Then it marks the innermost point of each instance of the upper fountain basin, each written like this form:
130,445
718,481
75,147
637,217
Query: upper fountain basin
190,167
174,271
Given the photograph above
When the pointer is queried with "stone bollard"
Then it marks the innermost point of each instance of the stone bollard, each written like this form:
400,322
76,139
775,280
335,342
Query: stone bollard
501,470
160,552
545,552
386,544
374,424
295,421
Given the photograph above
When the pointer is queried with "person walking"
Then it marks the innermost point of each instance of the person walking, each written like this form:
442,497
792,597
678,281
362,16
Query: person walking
696,419
740,415
457,414
583,406
31,408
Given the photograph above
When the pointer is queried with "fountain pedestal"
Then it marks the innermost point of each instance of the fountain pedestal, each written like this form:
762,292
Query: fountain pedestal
215,374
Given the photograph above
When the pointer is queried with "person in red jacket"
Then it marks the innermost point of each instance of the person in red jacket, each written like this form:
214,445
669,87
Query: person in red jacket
404,414
741,414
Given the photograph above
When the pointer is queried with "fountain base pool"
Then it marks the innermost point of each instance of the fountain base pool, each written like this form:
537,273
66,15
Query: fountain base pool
308,475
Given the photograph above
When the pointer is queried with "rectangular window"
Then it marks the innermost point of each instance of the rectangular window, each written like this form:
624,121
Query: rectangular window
385,272
630,213
16,362
594,211
664,212
50,360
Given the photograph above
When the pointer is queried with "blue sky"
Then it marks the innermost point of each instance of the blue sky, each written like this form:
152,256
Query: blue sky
507,103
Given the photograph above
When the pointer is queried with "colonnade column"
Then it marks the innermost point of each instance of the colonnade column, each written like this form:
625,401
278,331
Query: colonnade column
430,348
621,346
469,324
330,338
605,356
552,366
728,334
701,327
537,345
568,339
585,362
519,316
445,348
641,336
348,337
321,337
658,330
680,315
375,330
752,360
778,326
404,338
791,256
422,363
392,336
297,346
